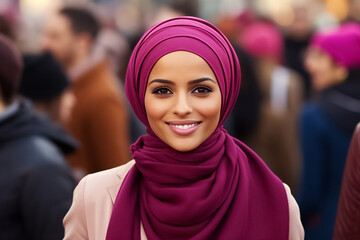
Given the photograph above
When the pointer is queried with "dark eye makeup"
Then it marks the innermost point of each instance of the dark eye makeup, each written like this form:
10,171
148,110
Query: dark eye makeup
161,91
198,90
202,90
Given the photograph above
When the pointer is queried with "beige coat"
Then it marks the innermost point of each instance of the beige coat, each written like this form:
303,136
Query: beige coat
89,215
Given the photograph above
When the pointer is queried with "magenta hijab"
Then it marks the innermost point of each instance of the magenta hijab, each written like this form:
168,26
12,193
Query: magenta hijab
221,189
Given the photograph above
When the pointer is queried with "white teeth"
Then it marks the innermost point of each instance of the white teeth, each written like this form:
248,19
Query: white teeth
186,126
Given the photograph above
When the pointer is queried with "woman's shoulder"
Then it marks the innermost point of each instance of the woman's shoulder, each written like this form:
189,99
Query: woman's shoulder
92,204
103,186
106,178
105,181
296,230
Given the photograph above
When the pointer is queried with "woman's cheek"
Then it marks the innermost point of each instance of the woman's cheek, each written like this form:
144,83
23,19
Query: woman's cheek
156,108
210,109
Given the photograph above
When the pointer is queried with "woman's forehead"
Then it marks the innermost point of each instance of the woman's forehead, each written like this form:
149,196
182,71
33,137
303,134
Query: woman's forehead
181,65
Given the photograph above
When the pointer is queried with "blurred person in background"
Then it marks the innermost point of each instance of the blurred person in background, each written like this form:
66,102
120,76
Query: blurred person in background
36,184
297,36
110,41
354,11
115,47
112,45
327,123
244,118
275,138
99,118
6,28
47,86
164,10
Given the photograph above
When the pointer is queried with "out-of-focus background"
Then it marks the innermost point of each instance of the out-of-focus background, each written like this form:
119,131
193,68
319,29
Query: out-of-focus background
283,112
131,17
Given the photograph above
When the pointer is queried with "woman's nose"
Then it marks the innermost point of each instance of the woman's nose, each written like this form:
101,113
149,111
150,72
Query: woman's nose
182,105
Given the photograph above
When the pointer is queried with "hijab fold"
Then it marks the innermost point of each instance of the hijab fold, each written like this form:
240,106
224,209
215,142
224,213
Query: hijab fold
221,189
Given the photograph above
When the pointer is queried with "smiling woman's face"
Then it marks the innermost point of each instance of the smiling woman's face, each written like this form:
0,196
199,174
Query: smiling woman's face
182,100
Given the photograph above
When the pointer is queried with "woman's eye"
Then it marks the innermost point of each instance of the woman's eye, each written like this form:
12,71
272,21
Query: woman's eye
202,90
162,91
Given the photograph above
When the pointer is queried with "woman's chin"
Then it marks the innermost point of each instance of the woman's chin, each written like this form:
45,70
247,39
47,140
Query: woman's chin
184,146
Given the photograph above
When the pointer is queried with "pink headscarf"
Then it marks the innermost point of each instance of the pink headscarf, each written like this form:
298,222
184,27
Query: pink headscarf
170,36
342,44
221,189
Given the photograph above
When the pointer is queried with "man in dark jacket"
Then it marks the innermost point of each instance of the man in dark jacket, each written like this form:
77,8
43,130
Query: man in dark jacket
36,184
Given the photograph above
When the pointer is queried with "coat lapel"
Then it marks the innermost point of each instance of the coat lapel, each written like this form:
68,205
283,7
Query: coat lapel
113,189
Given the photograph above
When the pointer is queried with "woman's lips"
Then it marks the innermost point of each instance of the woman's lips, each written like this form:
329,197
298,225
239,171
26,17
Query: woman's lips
183,128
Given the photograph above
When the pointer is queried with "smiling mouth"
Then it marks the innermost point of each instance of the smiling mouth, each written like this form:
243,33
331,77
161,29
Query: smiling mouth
186,126
183,128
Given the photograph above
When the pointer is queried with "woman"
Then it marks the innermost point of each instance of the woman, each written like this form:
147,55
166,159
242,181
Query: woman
189,179
327,123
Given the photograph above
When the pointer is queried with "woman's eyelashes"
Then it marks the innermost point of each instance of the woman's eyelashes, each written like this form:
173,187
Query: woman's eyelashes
198,90
202,90
161,91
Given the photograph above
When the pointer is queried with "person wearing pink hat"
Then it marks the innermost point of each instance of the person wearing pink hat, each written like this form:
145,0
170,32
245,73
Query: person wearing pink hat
275,138
327,123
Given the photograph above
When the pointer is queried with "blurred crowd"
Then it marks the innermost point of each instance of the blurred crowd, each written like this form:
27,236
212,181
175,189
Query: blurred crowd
64,113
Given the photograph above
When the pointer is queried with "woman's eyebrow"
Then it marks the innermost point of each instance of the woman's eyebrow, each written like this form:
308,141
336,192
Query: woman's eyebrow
162,81
201,80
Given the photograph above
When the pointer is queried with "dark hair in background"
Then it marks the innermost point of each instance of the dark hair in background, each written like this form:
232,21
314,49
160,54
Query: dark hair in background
82,21
10,69
6,28
186,7
43,79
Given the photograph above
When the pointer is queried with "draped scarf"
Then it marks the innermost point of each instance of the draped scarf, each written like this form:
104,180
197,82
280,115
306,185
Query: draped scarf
219,190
